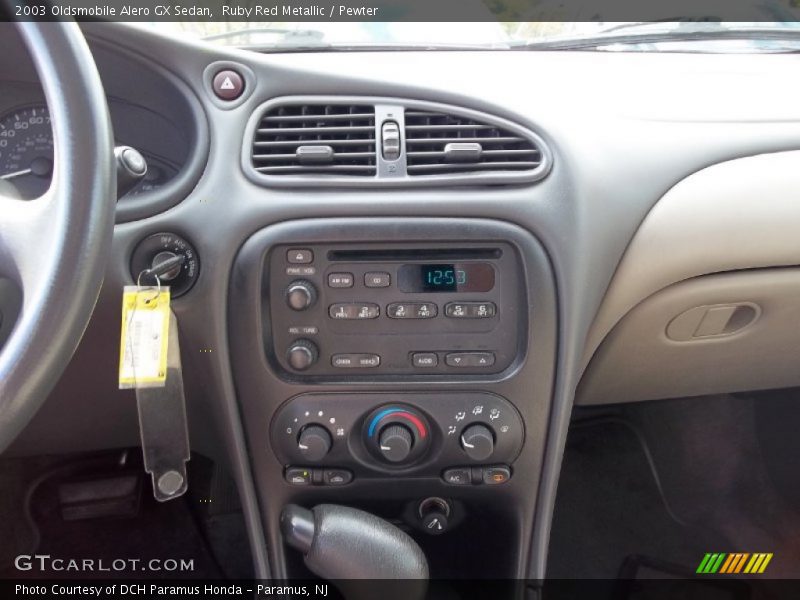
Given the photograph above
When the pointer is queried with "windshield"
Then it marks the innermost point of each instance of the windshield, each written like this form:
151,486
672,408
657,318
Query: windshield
696,35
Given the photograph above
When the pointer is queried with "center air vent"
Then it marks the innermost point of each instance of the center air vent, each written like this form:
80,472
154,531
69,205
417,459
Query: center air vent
363,141
439,143
298,139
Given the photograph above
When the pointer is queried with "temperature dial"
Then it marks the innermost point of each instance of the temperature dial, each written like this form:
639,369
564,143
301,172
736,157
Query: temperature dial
395,443
397,434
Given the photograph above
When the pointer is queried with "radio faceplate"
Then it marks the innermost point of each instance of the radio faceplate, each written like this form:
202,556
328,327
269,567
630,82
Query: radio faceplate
362,310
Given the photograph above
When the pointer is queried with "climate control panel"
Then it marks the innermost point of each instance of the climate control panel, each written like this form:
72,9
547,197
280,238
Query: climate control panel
375,434
344,311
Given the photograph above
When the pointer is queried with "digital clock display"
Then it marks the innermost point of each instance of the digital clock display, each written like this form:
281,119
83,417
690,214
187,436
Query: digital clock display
452,277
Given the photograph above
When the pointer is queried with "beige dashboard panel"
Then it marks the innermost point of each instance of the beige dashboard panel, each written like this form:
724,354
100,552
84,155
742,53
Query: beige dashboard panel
717,333
740,214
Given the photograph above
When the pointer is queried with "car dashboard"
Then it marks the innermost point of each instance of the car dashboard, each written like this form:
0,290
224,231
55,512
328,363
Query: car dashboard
408,267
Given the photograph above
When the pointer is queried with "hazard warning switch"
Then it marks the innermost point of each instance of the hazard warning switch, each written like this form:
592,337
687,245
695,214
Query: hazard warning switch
228,85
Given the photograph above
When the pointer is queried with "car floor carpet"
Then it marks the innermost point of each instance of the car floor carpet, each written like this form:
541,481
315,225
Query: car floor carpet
718,477
161,531
608,508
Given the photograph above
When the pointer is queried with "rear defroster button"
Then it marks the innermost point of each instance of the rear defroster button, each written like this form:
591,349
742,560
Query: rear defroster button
496,475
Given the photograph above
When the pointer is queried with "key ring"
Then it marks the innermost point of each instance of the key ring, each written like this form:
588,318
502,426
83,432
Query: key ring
158,289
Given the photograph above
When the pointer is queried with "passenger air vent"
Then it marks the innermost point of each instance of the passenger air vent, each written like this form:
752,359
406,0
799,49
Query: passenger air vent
299,139
439,143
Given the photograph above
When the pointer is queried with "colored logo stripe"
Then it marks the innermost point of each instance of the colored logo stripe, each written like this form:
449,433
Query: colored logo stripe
711,563
733,563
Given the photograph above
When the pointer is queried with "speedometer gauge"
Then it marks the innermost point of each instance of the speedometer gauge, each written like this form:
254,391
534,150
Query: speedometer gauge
26,150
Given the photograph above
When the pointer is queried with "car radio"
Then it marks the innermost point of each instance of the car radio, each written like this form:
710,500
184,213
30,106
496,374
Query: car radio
339,310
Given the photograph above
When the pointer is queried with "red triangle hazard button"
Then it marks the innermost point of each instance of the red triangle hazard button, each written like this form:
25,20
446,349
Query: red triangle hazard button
228,84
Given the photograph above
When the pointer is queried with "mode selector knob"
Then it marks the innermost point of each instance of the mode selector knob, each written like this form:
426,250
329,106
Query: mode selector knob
302,354
395,443
301,295
478,442
314,442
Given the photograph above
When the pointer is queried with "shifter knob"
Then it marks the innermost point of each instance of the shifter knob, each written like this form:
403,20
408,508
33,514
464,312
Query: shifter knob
356,550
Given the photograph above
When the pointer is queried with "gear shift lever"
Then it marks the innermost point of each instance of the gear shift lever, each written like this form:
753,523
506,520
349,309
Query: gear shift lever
344,545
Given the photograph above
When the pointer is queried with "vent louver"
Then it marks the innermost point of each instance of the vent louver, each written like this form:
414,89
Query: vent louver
298,139
439,143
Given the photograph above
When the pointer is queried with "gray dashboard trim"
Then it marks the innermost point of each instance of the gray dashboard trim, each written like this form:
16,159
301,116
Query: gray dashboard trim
174,191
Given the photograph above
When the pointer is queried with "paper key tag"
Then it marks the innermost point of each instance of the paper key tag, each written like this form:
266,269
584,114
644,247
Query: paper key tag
145,337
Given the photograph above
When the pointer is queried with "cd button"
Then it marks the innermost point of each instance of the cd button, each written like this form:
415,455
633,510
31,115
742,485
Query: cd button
377,280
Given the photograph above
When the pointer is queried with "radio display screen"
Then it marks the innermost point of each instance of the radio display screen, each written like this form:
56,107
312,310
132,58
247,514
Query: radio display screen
446,277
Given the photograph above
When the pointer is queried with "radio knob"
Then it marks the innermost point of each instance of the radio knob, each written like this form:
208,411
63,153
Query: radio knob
314,442
395,443
301,295
478,442
302,354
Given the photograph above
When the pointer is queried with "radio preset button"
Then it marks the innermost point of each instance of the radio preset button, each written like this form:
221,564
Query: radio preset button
355,361
299,256
470,359
354,310
470,310
424,359
412,310
340,280
377,279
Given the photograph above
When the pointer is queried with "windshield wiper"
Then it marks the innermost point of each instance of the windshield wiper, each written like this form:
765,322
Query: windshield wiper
292,37
677,34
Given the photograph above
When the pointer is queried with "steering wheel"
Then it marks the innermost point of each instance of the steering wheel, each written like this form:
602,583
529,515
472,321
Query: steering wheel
55,247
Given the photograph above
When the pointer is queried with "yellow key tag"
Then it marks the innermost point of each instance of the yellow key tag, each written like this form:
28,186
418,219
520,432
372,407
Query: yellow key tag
145,336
